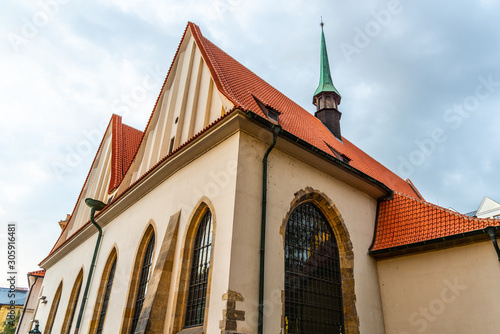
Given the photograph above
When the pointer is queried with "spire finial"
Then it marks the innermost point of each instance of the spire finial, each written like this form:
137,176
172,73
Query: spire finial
327,98
325,82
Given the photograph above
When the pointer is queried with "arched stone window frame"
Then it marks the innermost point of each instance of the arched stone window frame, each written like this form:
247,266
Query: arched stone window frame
74,298
128,312
94,322
53,309
334,218
181,295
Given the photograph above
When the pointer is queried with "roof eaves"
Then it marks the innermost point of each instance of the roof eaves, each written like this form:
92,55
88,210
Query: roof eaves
396,250
339,163
151,170
81,191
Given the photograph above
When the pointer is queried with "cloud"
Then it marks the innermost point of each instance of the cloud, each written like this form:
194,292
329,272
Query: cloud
75,69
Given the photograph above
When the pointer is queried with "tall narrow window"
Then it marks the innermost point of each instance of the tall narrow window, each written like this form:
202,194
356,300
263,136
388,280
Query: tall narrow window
313,291
72,304
200,268
143,281
105,301
53,310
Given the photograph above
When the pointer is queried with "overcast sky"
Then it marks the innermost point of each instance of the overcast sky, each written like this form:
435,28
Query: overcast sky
420,85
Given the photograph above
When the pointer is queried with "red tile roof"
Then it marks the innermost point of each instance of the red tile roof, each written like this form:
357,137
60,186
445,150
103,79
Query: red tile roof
125,142
404,220
121,159
240,85
39,273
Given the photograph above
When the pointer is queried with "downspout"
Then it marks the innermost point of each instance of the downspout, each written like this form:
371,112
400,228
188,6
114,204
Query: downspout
276,131
94,205
492,232
26,304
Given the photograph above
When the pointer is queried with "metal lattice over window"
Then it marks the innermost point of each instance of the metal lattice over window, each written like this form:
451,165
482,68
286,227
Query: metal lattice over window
105,300
313,291
143,281
74,307
200,268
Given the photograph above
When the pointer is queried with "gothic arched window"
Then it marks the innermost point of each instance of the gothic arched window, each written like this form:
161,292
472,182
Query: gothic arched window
72,304
200,268
143,281
103,294
53,309
313,290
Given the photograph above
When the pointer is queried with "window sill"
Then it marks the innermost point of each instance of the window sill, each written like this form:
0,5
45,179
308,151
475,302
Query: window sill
192,330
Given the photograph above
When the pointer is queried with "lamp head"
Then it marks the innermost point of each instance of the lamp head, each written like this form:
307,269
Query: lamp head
35,330
95,204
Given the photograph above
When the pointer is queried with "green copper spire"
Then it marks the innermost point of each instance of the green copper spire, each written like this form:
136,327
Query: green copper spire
325,80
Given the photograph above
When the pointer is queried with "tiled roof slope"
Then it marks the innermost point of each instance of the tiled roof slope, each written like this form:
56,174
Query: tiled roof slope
241,86
125,143
39,273
121,157
403,221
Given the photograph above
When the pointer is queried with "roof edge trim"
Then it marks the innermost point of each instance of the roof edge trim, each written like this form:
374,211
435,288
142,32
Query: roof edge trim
389,192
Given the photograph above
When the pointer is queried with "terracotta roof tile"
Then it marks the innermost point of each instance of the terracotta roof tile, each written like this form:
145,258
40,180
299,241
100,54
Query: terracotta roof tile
121,159
125,143
404,220
39,273
240,85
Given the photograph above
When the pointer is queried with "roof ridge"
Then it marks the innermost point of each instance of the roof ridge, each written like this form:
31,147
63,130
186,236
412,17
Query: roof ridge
443,209
404,220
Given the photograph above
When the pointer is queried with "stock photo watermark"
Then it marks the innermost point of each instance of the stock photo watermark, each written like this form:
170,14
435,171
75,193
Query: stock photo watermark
11,271
420,320
123,106
31,26
222,7
363,36
453,118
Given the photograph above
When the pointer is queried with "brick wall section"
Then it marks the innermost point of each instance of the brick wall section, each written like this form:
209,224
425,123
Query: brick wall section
230,315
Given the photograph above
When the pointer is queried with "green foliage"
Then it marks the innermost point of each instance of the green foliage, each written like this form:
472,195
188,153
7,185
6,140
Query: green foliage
10,328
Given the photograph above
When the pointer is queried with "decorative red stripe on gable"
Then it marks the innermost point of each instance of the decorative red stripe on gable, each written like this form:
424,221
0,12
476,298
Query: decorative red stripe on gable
125,143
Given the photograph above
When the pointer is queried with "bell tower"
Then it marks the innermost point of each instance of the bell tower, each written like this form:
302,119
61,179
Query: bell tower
327,98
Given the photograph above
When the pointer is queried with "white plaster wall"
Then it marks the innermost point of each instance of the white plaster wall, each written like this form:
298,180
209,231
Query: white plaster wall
286,176
210,175
447,291
190,97
66,272
30,305
237,208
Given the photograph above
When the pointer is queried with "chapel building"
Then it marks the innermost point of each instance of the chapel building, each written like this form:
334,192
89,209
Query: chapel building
238,211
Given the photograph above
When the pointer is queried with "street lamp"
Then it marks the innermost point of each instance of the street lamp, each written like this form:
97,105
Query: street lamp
35,330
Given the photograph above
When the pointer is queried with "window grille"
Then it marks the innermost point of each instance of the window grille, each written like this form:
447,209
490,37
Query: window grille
143,282
53,310
200,268
74,307
313,291
105,300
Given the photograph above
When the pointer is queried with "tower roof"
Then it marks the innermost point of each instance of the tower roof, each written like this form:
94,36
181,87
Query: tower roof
325,79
